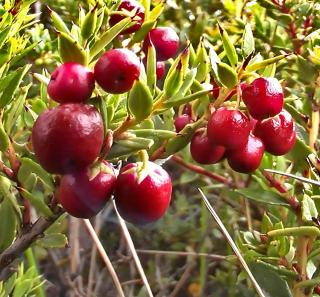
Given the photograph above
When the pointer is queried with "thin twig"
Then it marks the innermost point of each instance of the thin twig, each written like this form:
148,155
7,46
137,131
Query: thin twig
183,254
104,256
133,251
202,171
232,244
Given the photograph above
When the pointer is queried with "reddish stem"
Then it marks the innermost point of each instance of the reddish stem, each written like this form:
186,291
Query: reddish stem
202,171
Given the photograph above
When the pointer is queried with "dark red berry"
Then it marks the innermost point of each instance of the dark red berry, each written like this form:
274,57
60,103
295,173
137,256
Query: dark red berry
278,133
71,83
263,98
83,195
246,159
229,128
181,121
161,68
145,201
187,109
129,5
165,41
203,151
116,70
68,137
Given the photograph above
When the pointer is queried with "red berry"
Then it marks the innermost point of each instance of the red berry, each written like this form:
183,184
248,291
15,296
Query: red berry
129,5
263,98
116,70
145,201
203,151
82,195
68,137
181,121
161,68
278,133
165,41
71,83
246,159
229,128
187,109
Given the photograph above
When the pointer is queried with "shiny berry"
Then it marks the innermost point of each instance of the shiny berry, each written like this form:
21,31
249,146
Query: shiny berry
165,41
181,121
278,133
129,5
263,98
71,83
84,193
146,201
117,70
246,159
68,137
203,151
161,69
229,128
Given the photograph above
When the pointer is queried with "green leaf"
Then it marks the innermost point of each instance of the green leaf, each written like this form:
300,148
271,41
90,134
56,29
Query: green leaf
266,224
16,109
263,64
38,203
4,139
309,209
8,223
151,68
142,32
299,153
263,196
173,81
247,41
29,166
227,75
22,288
11,88
108,36
70,50
58,22
270,282
228,47
89,23
140,101
202,63
53,240
22,54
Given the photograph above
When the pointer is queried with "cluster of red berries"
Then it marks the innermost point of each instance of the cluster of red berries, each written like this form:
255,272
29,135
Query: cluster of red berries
243,139
69,138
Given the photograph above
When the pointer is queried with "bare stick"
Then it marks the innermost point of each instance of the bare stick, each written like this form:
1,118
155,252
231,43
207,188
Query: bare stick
183,254
104,256
232,244
133,251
